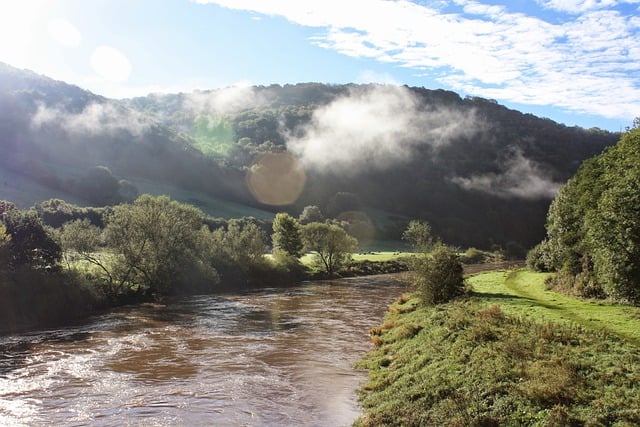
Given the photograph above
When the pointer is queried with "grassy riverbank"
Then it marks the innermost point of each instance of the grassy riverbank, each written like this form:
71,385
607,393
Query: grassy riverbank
511,354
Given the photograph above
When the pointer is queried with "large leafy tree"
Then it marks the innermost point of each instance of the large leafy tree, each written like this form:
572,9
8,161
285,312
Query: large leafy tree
242,244
287,235
418,234
593,226
30,244
331,244
158,240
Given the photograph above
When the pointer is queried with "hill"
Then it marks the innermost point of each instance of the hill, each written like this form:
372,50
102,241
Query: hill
480,173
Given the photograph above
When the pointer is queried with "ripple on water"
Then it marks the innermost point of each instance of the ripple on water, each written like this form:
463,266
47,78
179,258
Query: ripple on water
270,357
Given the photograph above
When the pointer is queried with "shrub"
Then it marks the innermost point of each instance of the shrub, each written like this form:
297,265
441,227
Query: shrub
439,275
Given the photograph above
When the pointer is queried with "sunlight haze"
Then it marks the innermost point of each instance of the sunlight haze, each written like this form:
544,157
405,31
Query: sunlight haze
575,61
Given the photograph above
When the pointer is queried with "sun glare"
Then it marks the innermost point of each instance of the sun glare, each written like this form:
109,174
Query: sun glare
20,24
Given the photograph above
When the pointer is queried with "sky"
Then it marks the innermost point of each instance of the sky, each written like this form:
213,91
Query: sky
574,61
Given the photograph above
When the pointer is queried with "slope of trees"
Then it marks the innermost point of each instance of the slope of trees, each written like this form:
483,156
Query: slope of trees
593,226
96,151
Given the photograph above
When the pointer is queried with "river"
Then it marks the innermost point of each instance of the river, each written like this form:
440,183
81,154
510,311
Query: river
272,357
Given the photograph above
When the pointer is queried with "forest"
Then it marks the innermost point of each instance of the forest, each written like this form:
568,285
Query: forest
481,174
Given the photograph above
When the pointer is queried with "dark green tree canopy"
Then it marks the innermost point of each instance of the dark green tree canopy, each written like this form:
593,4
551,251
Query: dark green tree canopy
593,225
439,275
30,244
331,244
287,235
418,234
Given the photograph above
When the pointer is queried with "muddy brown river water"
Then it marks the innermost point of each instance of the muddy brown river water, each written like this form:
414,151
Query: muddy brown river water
273,357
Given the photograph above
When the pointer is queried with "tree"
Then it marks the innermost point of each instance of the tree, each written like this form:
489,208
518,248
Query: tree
83,238
287,235
593,225
614,238
439,275
5,239
158,240
30,245
241,243
418,234
310,214
332,245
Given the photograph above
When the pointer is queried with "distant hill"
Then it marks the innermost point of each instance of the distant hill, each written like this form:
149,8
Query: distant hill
372,155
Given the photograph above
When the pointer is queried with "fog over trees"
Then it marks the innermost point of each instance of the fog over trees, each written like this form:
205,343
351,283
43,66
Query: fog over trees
482,175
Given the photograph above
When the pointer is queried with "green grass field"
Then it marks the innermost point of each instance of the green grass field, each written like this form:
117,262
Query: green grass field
513,353
523,292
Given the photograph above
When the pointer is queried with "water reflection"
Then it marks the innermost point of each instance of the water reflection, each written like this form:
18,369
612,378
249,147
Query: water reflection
271,357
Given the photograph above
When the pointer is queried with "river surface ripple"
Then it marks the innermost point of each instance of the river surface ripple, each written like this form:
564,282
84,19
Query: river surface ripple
273,357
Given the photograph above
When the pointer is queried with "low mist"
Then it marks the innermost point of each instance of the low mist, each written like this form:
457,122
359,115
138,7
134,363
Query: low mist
94,119
375,127
520,178
223,101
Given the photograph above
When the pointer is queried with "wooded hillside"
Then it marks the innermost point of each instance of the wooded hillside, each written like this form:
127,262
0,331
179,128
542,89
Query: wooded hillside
480,173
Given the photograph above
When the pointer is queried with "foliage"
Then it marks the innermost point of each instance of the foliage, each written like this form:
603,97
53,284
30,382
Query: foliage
593,225
331,244
242,243
286,235
5,239
159,243
472,364
438,275
56,212
30,245
478,256
81,238
162,138
311,213
418,234
99,186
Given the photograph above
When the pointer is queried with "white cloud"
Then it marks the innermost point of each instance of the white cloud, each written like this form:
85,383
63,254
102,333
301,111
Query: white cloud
94,119
110,64
585,63
520,178
374,127
580,6
223,101
64,33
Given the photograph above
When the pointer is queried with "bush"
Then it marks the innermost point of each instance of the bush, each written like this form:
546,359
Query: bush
439,275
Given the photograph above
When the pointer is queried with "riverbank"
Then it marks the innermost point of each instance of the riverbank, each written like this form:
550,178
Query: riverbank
512,353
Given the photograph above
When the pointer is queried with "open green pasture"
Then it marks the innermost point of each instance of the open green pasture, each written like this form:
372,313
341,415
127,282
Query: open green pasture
513,353
523,292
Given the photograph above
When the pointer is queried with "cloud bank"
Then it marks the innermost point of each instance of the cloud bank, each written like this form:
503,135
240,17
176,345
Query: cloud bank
585,60
223,101
520,178
374,127
94,119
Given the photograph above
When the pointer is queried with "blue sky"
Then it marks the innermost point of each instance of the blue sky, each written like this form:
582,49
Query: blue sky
574,61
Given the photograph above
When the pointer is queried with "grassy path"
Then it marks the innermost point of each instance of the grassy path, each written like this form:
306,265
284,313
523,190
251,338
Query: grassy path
522,292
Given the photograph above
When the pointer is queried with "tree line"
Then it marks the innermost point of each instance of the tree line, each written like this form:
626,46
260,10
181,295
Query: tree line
593,226
156,246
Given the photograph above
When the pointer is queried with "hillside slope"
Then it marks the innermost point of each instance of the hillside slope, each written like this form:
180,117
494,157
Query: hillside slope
482,174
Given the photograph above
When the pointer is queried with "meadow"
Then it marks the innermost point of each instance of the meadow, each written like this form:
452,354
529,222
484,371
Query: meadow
509,353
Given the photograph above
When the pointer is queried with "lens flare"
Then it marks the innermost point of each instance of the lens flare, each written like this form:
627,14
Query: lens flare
276,179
